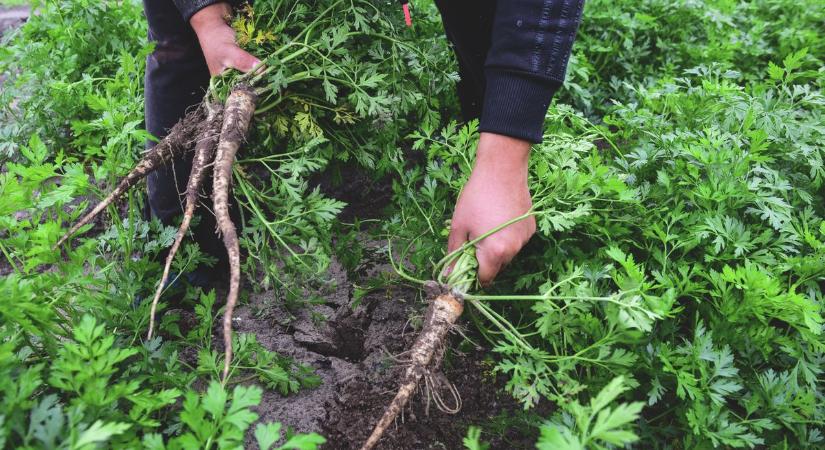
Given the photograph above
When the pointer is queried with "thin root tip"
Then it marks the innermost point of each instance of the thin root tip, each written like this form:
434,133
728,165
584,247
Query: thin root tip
60,242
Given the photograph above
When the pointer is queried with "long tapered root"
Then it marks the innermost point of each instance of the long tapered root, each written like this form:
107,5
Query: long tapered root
201,162
176,143
237,115
441,315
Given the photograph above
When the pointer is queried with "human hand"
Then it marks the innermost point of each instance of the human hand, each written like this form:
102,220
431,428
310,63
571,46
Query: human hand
496,192
217,40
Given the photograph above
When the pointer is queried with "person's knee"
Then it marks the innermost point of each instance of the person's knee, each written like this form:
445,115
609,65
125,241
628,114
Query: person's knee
176,49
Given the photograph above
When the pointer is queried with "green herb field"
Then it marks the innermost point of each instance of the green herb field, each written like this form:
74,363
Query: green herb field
671,298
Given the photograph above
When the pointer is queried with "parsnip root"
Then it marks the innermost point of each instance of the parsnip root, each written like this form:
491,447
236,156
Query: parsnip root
442,314
199,128
177,142
201,162
238,112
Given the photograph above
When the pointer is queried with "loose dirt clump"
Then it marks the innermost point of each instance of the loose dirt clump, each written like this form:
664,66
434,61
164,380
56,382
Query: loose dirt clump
356,348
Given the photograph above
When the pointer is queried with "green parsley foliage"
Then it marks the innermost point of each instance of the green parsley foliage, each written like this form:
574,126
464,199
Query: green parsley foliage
594,425
672,297
348,81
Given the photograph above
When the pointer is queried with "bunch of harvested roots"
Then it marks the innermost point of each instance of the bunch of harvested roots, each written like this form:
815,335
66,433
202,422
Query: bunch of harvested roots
332,72
216,131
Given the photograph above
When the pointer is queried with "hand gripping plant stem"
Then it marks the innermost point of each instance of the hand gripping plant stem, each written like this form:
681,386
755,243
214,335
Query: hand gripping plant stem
442,313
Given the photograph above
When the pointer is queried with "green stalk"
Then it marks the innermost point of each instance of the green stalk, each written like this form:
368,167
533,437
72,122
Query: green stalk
10,259
450,258
245,189
464,275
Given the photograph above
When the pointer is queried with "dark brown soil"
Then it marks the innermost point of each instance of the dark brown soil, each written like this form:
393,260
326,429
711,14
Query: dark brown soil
353,349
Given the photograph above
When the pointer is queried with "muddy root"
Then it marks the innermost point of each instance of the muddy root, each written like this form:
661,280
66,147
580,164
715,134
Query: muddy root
442,314
201,163
180,139
237,116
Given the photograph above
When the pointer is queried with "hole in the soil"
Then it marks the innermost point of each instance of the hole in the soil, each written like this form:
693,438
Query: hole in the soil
340,337
348,346
352,344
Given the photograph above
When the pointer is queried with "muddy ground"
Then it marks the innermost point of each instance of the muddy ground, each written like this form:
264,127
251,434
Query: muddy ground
356,346
353,349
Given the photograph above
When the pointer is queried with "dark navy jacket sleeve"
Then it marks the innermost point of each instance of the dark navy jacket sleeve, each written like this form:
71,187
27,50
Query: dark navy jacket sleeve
529,49
188,8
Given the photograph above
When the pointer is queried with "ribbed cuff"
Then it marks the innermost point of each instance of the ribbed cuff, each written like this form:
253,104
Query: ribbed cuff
515,104
188,8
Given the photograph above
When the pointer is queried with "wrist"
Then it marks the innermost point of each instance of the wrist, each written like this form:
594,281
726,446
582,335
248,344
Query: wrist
210,17
505,156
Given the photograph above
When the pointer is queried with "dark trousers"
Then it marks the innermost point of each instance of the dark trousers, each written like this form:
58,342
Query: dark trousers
469,27
176,79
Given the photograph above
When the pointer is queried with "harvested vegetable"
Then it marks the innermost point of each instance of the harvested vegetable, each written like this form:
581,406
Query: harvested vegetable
201,163
441,315
177,142
311,94
236,119
427,352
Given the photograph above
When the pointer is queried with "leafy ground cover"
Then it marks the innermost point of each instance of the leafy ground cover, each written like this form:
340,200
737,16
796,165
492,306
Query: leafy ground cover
671,298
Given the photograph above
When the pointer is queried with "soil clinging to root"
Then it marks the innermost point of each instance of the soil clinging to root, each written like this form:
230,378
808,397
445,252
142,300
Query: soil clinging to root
358,351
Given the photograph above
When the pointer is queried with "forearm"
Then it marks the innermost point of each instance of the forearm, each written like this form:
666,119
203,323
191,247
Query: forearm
503,158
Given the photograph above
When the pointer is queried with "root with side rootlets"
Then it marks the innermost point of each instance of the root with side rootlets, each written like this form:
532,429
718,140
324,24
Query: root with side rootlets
201,163
176,143
216,132
426,354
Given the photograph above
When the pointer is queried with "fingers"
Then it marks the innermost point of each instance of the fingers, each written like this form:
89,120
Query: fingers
492,253
497,250
492,256
243,61
458,236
